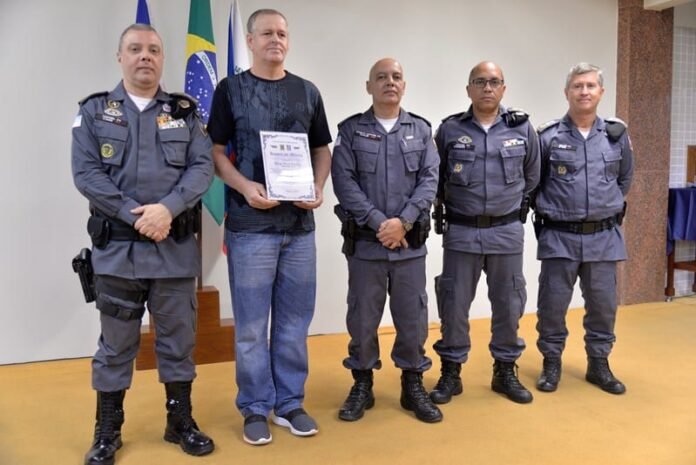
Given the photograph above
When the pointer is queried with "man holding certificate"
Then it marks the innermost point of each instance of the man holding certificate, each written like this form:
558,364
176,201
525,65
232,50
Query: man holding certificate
276,123
385,174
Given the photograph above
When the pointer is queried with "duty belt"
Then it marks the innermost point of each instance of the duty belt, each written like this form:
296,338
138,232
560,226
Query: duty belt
581,227
365,234
482,221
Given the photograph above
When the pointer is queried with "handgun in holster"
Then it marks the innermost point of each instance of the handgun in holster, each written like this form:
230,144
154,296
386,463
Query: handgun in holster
348,227
82,265
417,236
439,217
524,209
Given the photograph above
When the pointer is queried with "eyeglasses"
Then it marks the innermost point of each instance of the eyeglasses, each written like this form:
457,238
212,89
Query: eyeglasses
480,83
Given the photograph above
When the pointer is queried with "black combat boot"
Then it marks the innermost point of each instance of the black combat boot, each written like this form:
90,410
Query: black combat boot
550,375
449,384
360,397
107,430
415,398
181,427
505,381
599,373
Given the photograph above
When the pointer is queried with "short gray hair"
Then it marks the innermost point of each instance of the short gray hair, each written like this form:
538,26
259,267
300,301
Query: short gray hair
263,11
136,27
584,68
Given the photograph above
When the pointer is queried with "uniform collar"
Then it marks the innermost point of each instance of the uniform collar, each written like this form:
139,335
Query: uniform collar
567,125
119,94
369,118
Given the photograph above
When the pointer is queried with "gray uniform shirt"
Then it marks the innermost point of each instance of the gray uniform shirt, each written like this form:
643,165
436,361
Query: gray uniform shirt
486,173
582,180
379,175
123,158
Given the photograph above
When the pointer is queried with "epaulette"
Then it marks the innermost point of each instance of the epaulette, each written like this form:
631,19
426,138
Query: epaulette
350,117
420,118
91,96
456,115
615,128
514,117
182,105
548,124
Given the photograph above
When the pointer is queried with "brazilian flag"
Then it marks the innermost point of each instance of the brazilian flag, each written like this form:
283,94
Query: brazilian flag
200,83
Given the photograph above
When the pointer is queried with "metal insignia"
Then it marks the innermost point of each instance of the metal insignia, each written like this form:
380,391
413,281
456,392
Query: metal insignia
562,170
184,104
458,168
464,140
166,108
113,112
107,150
113,104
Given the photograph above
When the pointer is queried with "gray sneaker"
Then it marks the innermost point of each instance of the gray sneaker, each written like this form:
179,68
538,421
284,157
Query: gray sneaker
256,430
298,421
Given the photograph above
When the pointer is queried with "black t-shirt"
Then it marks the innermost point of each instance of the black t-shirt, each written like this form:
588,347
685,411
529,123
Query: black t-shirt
242,106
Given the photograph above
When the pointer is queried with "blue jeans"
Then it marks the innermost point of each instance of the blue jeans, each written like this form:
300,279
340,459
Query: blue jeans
271,275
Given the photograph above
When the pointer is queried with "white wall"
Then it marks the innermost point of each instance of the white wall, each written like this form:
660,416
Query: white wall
55,53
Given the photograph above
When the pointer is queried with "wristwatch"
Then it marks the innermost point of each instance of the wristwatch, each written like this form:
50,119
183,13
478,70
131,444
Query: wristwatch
406,225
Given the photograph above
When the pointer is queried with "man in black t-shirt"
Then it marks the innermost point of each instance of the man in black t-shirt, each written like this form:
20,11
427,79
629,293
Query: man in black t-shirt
271,249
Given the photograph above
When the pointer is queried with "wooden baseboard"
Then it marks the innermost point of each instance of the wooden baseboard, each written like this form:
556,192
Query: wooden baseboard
214,336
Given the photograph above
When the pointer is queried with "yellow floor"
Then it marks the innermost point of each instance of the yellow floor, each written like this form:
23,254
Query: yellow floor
47,409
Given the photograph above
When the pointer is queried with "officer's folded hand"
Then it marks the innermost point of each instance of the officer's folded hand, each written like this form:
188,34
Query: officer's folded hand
256,197
391,234
155,221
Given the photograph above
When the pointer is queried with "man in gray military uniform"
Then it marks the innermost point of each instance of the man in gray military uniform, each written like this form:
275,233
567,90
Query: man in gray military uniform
143,160
384,173
587,166
489,165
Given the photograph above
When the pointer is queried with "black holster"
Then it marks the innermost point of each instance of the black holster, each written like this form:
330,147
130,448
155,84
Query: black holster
417,236
82,265
348,229
524,209
439,217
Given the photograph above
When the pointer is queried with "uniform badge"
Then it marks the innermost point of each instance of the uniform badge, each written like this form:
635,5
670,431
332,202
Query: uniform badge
512,143
78,121
107,150
113,112
113,104
465,140
562,170
566,147
166,108
184,104
458,167
338,141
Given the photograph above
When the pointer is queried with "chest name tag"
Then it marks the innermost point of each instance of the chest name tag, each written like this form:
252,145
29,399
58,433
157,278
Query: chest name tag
111,119
513,143
368,135
565,147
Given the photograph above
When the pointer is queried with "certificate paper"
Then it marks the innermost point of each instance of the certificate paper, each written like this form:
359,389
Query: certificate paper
288,166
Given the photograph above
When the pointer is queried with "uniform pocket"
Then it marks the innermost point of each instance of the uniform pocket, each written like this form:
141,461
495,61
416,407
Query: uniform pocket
460,163
562,165
413,152
366,152
174,145
612,162
513,162
112,143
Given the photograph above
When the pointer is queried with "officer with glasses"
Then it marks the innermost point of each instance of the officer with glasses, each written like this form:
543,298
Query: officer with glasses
489,164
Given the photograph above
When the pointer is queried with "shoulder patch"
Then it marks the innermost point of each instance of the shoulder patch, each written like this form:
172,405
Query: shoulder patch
615,128
91,96
182,105
515,116
547,125
456,115
349,118
419,117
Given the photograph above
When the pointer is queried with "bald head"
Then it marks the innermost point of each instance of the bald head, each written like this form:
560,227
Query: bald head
384,63
485,67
